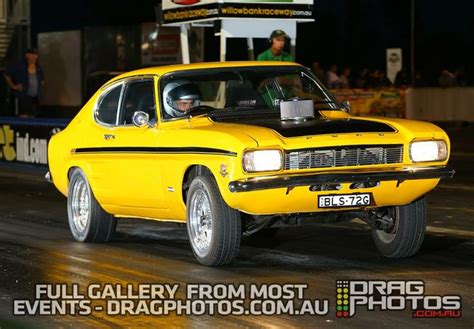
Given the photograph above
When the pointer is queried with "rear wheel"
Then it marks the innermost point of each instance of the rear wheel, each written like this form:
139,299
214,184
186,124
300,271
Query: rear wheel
405,236
214,229
88,222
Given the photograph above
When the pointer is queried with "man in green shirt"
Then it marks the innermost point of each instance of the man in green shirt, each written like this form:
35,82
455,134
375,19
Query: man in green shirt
275,52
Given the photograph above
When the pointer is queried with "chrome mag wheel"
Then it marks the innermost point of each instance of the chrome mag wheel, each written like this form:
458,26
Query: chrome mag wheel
80,205
200,222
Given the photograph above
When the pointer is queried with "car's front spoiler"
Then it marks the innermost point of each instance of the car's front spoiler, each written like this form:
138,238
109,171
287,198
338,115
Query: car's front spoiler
290,181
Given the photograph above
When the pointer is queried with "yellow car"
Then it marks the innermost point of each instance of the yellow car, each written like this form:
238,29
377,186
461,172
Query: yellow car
235,148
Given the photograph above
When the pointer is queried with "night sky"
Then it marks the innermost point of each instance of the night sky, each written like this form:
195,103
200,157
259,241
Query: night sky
352,33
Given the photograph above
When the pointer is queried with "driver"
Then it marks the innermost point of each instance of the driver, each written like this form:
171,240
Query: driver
179,97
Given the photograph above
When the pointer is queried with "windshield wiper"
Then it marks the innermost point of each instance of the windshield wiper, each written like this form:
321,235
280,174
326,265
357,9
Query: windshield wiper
208,110
315,102
231,110
244,110
326,102
199,110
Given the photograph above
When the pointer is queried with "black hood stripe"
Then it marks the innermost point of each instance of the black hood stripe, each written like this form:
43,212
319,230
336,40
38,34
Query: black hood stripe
311,127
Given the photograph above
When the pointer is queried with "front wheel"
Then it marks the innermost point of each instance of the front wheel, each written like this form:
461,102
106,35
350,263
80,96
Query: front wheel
405,236
88,222
214,229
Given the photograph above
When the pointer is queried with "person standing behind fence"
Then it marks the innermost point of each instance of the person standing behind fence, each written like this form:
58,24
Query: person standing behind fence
318,71
332,79
26,79
345,78
278,39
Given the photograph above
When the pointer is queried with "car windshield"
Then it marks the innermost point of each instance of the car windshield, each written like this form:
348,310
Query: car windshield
240,91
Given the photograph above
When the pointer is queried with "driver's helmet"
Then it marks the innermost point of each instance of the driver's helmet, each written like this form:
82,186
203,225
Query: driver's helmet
180,90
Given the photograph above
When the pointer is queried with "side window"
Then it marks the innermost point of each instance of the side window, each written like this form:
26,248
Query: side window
106,111
139,96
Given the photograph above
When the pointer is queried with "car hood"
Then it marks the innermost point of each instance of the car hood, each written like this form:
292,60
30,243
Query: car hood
328,131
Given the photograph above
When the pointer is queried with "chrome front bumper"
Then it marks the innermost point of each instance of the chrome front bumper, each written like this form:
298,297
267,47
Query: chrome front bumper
290,181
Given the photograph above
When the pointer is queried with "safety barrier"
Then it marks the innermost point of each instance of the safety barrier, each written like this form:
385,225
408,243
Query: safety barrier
25,140
440,104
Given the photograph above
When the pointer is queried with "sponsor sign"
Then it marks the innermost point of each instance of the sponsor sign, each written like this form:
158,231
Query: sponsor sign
180,11
394,63
389,102
171,4
26,141
394,295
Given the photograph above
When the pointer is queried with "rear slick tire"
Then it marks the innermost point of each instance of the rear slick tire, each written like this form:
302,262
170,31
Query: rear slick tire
88,222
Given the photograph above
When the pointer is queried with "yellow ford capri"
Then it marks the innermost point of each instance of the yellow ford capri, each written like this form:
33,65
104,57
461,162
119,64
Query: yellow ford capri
237,148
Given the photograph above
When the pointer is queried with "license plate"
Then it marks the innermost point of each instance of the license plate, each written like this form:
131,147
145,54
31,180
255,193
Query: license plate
343,200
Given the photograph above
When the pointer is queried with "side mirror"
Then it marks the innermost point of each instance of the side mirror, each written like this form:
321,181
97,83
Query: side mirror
140,119
346,106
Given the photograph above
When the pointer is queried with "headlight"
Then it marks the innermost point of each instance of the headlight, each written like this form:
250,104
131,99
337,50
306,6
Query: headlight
424,151
263,160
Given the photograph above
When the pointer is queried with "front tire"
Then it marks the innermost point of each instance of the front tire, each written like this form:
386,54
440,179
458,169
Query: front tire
404,239
214,229
88,222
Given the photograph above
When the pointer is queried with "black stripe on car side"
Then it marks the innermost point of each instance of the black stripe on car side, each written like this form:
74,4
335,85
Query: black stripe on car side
154,150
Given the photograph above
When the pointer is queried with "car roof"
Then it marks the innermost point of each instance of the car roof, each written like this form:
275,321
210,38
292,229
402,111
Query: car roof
160,70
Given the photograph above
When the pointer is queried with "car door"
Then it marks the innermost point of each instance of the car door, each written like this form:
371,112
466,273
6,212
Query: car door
137,165
96,146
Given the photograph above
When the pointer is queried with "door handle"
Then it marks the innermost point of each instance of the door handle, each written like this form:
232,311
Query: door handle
109,137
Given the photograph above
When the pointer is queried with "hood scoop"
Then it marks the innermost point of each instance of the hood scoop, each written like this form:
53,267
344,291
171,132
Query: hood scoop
296,110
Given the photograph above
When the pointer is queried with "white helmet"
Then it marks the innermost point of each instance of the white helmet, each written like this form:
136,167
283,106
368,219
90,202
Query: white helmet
179,90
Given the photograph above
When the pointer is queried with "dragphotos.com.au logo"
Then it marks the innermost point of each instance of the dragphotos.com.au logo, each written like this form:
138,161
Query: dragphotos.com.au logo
395,295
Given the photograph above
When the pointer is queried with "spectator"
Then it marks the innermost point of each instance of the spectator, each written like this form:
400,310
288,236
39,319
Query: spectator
372,79
317,71
345,78
377,79
278,38
461,78
361,81
402,79
419,80
26,79
332,79
447,79
382,79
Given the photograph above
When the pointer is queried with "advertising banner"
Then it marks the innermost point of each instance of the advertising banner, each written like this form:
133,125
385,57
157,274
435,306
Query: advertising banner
26,140
389,102
171,4
180,11
394,63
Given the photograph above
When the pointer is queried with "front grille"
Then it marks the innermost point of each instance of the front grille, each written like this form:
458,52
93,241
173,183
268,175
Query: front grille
359,155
